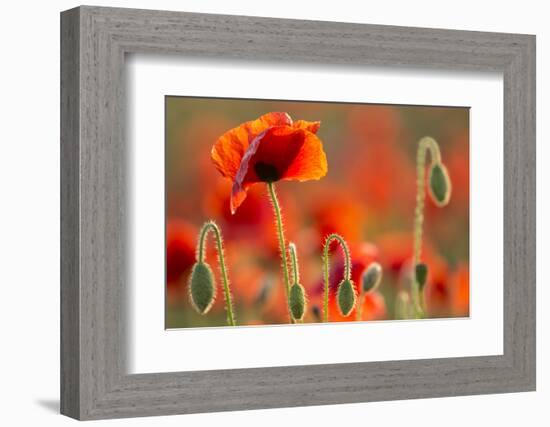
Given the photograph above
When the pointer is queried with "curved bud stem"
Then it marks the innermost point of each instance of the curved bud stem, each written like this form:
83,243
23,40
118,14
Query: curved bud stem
425,145
347,267
282,244
294,262
206,228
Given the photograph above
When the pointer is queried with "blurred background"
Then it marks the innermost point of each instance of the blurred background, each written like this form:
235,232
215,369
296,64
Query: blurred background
368,196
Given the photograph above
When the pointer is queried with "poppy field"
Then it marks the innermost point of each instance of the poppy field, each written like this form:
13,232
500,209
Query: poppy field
291,212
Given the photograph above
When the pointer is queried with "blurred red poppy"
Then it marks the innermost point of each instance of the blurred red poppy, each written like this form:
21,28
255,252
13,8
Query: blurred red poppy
247,278
180,255
375,123
460,304
269,149
396,251
437,292
377,164
180,248
253,221
448,293
250,218
327,205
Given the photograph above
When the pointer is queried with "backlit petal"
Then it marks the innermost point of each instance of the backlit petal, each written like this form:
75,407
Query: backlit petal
310,162
238,194
229,149
257,126
313,127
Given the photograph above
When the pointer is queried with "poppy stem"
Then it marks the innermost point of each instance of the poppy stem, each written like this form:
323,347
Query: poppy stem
426,144
402,306
347,266
294,262
282,244
206,228
359,309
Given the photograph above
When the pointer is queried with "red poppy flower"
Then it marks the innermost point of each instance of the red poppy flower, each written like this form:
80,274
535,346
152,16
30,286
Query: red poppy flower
269,149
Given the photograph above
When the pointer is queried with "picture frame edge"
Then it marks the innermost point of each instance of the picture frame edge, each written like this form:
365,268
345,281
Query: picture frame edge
93,382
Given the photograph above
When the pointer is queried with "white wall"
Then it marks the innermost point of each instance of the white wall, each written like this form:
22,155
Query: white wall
29,225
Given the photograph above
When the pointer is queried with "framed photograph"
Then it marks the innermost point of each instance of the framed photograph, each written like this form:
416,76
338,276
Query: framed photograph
261,213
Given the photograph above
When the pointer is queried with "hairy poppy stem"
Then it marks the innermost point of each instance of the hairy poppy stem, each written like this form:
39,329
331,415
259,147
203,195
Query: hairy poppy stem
347,267
294,262
282,244
297,299
206,228
402,306
359,309
426,144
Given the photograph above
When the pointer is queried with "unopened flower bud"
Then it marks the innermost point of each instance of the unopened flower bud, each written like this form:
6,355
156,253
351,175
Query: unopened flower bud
202,288
346,297
297,300
421,275
439,184
371,277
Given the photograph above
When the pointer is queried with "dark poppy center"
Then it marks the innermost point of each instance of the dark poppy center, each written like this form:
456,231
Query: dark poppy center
266,172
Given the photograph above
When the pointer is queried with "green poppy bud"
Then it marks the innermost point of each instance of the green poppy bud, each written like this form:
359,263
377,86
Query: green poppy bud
371,277
346,297
440,184
202,288
421,274
297,301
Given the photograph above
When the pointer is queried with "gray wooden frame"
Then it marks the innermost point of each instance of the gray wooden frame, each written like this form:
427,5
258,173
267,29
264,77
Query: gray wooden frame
94,41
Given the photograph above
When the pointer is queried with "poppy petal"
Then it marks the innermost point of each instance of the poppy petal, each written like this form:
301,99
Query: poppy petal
313,127
229,149
310,162
238,195
259,125
241,183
